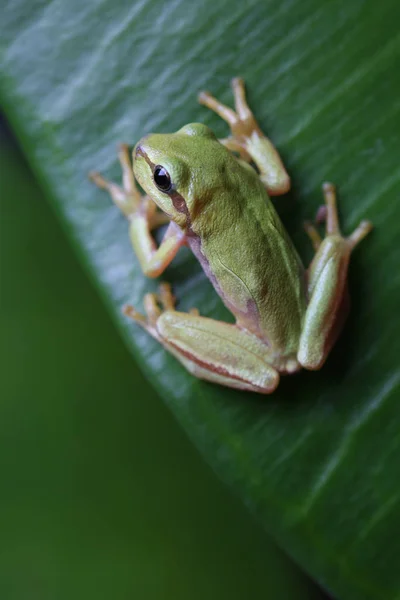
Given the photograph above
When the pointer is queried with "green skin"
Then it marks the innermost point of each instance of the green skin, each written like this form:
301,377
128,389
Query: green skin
286,317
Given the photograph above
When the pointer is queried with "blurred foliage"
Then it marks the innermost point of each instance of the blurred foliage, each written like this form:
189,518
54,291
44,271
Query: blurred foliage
317,461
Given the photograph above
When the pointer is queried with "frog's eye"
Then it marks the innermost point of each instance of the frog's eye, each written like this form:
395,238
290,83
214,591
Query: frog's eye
162,179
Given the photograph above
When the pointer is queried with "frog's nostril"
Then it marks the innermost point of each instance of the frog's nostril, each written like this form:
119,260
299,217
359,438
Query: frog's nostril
139,151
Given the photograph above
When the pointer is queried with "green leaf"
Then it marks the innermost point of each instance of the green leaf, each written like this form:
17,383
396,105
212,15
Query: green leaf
318,460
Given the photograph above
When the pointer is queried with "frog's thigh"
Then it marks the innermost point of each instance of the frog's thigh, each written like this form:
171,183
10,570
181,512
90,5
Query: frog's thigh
217,351
328,302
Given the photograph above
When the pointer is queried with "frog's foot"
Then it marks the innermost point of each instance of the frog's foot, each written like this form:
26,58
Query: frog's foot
155,304
242,122
217,352
327,283
128,198
247,138
328,213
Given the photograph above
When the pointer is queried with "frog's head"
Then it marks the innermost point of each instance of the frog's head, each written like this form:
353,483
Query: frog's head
181,171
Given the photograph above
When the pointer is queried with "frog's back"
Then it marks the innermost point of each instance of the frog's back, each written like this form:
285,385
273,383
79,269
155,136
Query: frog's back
254,266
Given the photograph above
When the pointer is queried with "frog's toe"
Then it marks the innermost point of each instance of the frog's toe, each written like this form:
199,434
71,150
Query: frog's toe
320,217
129,311
313,234
359,233
98,179
166,297
152,313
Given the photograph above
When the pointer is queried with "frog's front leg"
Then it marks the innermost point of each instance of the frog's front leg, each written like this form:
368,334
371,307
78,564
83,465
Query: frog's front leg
210,350
248,139
327,285
143,217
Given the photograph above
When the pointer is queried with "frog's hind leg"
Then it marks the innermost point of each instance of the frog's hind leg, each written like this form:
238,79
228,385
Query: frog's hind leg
327,284
210,350
248,139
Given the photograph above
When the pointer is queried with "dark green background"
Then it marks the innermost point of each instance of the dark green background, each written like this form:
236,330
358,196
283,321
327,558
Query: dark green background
102,496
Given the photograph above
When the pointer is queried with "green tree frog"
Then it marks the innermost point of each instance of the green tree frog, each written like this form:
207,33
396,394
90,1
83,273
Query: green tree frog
217,203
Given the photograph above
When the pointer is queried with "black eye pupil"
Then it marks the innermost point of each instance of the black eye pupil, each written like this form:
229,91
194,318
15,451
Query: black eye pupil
162,179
